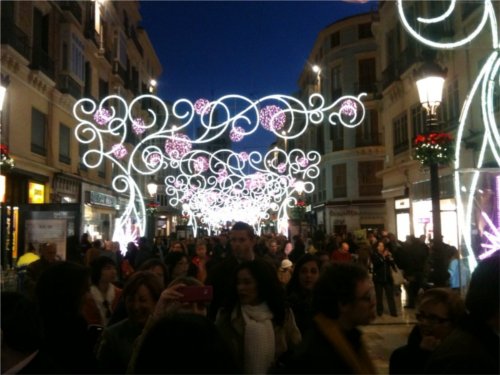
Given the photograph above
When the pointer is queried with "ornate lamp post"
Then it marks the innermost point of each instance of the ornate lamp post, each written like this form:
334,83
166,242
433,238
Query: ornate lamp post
433,149
430,82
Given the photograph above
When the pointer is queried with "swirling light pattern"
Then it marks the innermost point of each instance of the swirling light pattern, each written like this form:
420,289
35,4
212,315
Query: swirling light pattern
272,117
210,188
102,116
202,106
483,89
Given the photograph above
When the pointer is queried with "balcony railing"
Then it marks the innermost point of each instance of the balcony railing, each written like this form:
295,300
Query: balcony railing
67,85
15,37
73,7
40,60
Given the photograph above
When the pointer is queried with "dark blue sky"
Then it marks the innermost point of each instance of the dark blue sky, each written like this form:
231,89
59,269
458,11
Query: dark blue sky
253,48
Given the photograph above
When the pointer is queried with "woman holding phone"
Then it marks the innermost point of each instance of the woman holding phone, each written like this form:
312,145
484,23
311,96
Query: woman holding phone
255,321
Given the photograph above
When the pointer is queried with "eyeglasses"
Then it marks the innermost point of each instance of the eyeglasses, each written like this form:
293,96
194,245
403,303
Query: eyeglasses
431,319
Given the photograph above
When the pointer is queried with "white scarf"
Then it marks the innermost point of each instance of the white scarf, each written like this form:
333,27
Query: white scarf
99,300
259,341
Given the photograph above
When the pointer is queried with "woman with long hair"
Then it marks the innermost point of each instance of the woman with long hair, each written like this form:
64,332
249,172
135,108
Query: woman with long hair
300,290
255,321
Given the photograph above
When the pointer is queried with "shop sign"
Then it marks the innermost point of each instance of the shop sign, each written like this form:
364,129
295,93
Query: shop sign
402,203
101,199
36,193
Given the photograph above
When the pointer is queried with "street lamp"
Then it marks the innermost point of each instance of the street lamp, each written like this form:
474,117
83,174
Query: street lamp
430,81
152,187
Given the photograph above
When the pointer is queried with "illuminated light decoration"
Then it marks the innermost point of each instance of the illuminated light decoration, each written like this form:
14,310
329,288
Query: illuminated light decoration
167,153
272,117
138,126
483,89
119,151
349,108
281,167
494,238
237,134
200,164
178,146
303,162
202,106
154,159
102,116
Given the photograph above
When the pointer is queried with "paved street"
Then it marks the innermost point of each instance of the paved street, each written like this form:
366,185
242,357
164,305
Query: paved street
387,333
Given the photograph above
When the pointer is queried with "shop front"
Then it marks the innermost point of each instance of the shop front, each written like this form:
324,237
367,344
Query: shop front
99,212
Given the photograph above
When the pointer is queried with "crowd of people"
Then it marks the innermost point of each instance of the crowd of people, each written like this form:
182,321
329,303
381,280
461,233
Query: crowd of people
239,303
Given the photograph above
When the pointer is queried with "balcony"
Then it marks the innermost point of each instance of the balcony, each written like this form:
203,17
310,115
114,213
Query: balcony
67,85
40,60
406,59
15,37
120,71
138,45
389,75
74,8
371,88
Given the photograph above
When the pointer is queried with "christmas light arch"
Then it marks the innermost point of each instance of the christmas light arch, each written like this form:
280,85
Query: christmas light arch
201,183
484,87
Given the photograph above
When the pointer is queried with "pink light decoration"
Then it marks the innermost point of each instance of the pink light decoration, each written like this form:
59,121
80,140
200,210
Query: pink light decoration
349,108
222,174
102,116
237,134
202,106
303,162
243,156
119,151
281,167
178,146
138,126
272,117
200,164
154,159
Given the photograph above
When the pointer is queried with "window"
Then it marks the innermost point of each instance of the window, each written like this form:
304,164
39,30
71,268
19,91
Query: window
451,105
320,140
417,120
400,133
367,75
82,149
121,49
335,39
38,128
88,79
367,132
339,177
77,62
336,82
365,30
337,137
103,89
64,144
368,183
101,172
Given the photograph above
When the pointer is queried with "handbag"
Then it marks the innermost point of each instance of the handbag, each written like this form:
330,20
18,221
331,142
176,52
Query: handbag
397,275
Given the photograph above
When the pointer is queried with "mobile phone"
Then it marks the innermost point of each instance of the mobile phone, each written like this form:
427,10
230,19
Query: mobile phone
196,293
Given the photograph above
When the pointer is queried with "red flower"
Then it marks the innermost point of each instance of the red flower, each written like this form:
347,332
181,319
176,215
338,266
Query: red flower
4,149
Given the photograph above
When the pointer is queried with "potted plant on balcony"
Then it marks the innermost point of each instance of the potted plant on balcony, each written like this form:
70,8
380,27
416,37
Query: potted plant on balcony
434,147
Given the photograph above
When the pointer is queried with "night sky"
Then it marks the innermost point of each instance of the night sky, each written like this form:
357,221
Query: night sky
253,48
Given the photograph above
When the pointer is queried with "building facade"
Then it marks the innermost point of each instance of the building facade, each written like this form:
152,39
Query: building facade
54,53
406,185
348,191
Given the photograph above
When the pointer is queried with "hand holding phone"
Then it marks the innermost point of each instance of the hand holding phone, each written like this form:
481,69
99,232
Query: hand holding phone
196,293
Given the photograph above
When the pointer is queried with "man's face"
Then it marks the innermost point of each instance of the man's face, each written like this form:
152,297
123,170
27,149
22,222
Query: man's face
362,310
344,247
242,245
